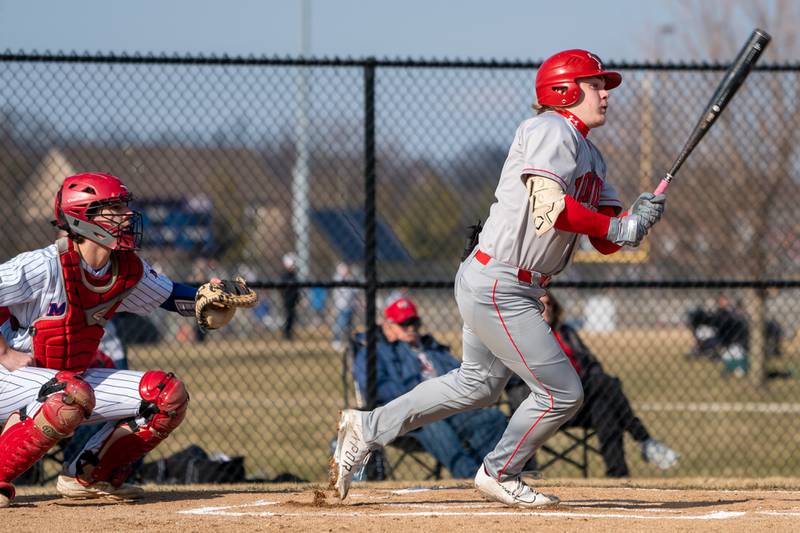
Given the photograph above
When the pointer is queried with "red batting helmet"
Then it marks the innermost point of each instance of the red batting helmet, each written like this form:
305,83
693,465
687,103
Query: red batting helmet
561,71
79,202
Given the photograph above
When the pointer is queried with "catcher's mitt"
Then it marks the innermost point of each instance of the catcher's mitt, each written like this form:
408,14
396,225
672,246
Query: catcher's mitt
216,303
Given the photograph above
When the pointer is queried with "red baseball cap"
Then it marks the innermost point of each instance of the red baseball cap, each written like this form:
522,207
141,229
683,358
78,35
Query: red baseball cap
401,310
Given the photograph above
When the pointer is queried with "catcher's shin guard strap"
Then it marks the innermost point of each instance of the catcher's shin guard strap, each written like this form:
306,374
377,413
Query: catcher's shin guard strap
164,404
26,439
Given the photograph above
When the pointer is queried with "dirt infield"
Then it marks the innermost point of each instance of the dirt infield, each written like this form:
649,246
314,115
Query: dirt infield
648,505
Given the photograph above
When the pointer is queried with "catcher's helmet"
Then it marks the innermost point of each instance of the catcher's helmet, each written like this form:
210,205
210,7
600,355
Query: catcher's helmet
561,71
79,202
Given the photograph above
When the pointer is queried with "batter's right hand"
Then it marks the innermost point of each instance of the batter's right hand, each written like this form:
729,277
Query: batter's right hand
627,231
650,207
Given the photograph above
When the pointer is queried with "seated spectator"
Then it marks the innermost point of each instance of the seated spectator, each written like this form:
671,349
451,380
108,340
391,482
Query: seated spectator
605,408
406,359
723,333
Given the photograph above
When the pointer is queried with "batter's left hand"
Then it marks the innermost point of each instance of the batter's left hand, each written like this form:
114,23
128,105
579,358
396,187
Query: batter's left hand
627,231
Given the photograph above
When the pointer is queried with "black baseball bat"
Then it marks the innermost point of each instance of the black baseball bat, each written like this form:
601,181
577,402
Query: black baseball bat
733,79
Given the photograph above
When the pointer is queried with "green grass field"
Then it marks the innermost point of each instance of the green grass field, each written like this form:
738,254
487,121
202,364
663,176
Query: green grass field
276,402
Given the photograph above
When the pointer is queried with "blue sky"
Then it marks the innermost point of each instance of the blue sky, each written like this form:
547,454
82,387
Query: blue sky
617,30
497,29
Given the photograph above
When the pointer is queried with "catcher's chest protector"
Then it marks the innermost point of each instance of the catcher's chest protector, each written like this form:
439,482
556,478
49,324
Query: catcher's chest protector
69,341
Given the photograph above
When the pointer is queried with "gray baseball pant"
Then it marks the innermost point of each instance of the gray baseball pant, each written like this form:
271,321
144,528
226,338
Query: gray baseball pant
503,332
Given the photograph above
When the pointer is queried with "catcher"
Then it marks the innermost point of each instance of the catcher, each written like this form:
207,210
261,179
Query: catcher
61,297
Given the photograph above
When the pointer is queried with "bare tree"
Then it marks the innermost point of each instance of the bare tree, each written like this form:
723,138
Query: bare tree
749,164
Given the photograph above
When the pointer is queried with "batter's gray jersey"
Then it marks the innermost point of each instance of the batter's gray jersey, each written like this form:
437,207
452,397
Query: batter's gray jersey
504,331
547,145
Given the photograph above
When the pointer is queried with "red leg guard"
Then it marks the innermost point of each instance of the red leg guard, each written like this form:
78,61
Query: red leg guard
164,407
68,401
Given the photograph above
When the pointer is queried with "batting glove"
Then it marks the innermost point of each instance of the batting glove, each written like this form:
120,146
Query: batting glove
650,207
627,231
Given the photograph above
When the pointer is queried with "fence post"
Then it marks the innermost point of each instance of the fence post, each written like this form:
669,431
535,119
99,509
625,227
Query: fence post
757,350
370,245
375,469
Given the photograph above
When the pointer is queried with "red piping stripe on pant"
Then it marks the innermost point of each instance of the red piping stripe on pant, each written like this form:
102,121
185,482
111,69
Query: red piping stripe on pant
552,401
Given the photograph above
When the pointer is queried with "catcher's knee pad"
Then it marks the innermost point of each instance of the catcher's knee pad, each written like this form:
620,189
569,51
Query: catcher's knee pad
67,400
164,403
165,400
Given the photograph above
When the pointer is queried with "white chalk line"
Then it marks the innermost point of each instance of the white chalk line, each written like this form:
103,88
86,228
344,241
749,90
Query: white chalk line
372,496
214,510
780,513
227,511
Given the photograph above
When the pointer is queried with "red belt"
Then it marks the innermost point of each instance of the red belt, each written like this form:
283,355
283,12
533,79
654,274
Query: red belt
525,276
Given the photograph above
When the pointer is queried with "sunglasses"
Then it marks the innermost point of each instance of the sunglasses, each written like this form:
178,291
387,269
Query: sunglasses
414,322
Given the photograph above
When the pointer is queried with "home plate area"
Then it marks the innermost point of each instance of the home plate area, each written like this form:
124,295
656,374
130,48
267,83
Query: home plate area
459,507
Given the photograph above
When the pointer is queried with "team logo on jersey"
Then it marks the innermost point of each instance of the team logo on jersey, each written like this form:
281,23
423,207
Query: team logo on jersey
574,121
587,189
57,309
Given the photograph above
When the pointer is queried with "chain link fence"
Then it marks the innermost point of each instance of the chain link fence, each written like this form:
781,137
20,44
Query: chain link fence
334,185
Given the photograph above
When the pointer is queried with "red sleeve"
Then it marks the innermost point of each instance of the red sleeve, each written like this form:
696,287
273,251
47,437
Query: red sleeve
576,218
600,244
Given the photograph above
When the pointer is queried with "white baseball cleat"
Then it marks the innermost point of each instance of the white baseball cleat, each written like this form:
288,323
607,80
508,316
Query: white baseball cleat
73,488
656,452
511,492
351,454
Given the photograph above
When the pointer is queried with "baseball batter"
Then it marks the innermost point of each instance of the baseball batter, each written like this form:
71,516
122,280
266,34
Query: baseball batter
552,190
60,297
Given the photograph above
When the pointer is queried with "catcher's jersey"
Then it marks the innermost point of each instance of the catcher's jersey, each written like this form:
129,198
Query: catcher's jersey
31,286
547,145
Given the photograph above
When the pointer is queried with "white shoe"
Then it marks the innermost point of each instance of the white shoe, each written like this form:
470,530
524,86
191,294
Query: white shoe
351,454
70,487
659,454
512,492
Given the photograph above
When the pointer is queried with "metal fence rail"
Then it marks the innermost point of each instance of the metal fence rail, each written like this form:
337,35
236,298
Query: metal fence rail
362,175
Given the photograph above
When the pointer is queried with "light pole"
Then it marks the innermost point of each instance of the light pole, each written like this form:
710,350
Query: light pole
301,204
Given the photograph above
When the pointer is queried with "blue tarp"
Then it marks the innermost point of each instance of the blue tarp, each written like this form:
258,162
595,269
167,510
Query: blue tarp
344,229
